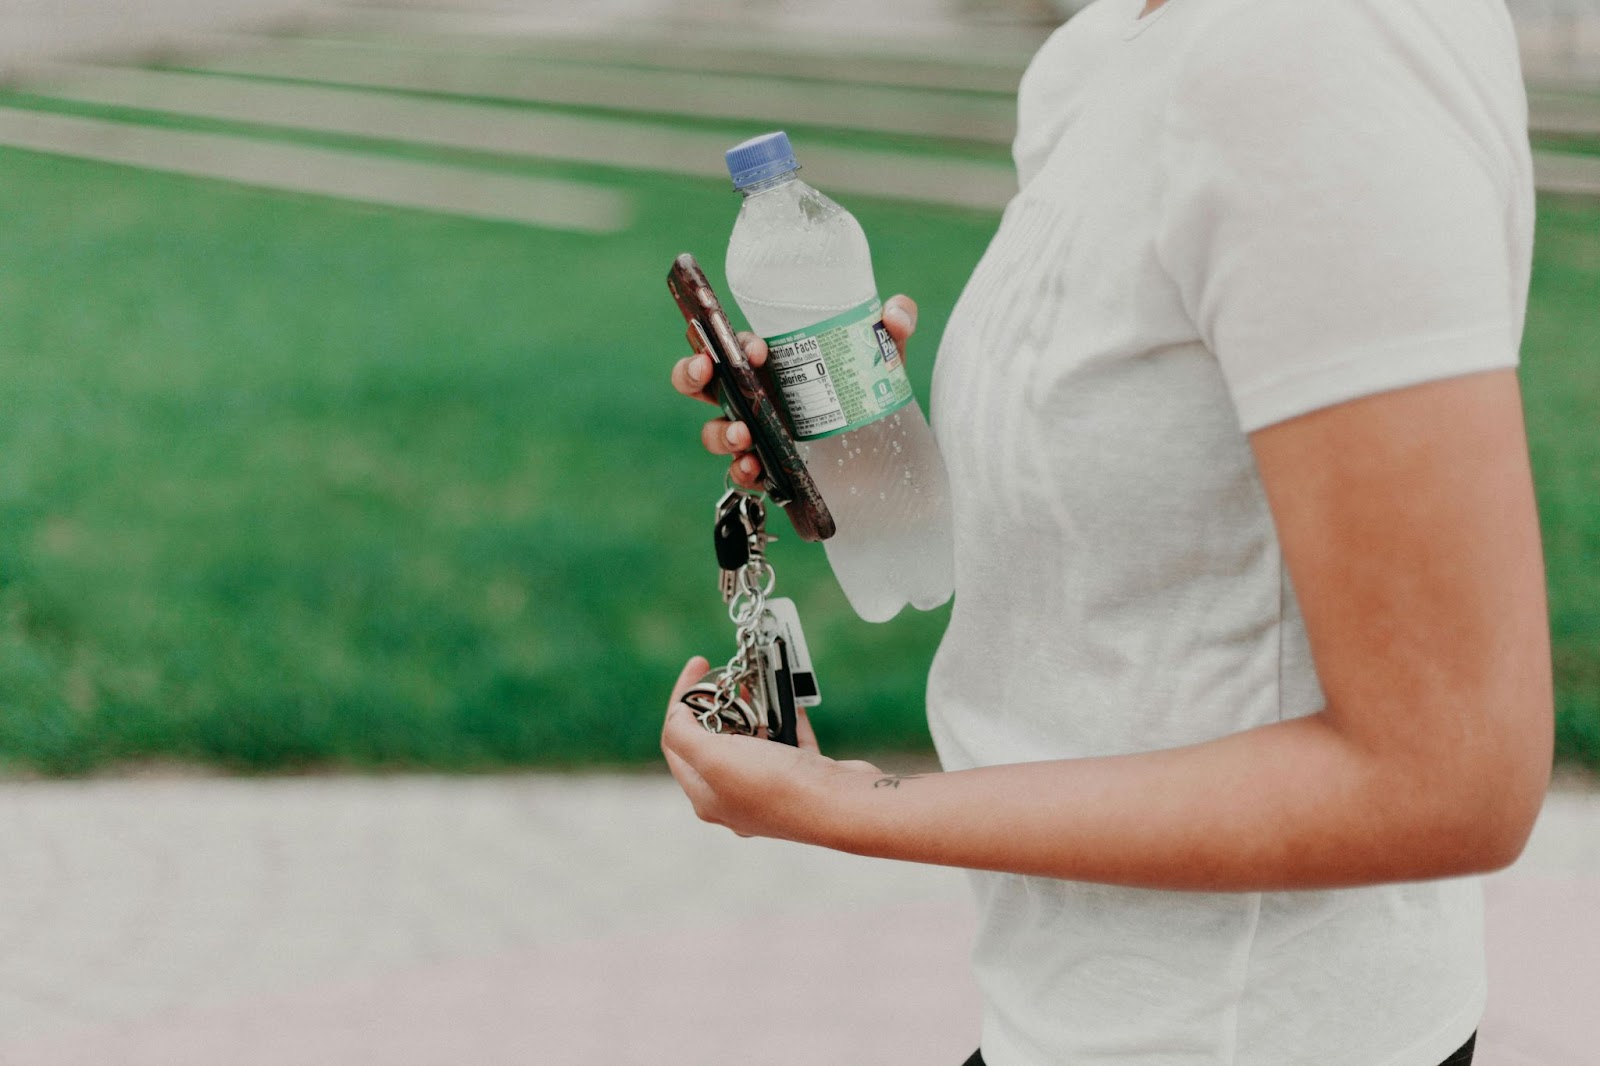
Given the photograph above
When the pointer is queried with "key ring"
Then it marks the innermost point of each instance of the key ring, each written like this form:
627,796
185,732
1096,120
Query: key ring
753,694
757,569
746,606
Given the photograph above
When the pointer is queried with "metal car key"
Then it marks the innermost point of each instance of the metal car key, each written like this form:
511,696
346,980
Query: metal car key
763,668
731,541
753,515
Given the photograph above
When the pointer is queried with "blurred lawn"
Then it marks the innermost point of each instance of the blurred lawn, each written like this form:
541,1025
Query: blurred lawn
287,482
1561,383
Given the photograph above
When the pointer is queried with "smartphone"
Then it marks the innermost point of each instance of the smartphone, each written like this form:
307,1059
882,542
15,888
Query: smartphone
745,398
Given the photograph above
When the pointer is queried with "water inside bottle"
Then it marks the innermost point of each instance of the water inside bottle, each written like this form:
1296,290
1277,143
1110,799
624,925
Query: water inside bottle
797,258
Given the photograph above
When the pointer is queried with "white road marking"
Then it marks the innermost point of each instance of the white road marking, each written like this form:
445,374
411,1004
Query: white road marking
1572,174
520,132
322,171
1572,114
930,36
861,60
697,93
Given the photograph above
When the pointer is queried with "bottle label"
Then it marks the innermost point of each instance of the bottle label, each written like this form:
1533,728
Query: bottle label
839,374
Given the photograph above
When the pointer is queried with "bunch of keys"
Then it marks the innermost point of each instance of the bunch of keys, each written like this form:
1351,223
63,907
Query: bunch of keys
756,694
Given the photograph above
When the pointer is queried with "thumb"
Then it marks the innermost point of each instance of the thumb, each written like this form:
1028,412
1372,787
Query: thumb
692,671
900,319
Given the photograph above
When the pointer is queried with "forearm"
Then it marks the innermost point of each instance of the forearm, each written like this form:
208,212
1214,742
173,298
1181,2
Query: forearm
1407,522
1292,805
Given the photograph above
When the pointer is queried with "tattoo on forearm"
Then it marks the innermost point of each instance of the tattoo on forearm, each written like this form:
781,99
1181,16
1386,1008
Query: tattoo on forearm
893,780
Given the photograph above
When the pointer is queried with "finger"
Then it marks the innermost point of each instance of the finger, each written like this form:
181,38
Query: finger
694,786
683,736
900,318
691,376
677,736
698,759
803,731
722,437
746,472
692,671
755,349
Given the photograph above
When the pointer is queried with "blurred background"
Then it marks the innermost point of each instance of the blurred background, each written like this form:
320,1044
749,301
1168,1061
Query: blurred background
335,339
336,439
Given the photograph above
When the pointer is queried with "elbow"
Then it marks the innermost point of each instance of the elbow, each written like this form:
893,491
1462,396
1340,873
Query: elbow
1508,821
1491,807
1461,809
1497,844
1518,779
1461,836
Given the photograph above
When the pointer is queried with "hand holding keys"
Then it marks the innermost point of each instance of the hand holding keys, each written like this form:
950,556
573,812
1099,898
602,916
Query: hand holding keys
770,674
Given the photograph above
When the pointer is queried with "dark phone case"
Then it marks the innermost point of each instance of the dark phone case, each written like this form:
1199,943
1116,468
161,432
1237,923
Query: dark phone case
745,399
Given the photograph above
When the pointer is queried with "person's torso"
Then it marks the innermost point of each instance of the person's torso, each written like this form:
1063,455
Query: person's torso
1119,588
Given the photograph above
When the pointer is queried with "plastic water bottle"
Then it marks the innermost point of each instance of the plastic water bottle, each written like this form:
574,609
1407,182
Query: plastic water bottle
799,268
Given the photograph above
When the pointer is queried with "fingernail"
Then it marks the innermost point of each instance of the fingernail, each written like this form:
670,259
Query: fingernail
694,372
900,314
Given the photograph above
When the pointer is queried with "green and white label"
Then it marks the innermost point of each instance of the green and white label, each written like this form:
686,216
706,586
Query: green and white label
839,374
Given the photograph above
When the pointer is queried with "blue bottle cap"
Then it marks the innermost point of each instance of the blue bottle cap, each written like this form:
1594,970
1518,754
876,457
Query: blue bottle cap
760,158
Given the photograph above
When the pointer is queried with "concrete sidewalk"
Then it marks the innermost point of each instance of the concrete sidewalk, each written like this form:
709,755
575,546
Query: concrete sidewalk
586,920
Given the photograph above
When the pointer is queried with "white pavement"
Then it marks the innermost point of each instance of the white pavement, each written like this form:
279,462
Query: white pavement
584,920
580,920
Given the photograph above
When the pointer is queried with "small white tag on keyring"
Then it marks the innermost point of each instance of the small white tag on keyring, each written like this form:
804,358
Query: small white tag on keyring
786,618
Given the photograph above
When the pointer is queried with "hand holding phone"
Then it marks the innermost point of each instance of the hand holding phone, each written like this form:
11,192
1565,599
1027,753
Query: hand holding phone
744,398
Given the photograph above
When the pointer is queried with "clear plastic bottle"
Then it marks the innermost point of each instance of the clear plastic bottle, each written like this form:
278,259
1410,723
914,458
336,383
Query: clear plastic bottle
799,268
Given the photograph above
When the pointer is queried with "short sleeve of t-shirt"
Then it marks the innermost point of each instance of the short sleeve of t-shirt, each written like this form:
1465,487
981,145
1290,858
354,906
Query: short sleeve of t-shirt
1338,206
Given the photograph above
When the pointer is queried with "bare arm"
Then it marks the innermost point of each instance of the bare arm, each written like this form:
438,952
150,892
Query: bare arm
1408,524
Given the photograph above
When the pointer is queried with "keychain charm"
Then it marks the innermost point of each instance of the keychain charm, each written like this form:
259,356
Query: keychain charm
720,714
759,691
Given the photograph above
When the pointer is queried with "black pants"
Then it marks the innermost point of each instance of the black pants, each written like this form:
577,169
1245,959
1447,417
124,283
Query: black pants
1462,1057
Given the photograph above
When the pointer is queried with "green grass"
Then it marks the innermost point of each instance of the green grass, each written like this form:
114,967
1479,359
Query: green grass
1573,144
1561,379
287,482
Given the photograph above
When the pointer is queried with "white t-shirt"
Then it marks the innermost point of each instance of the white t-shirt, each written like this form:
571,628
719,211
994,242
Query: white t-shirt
1231,212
